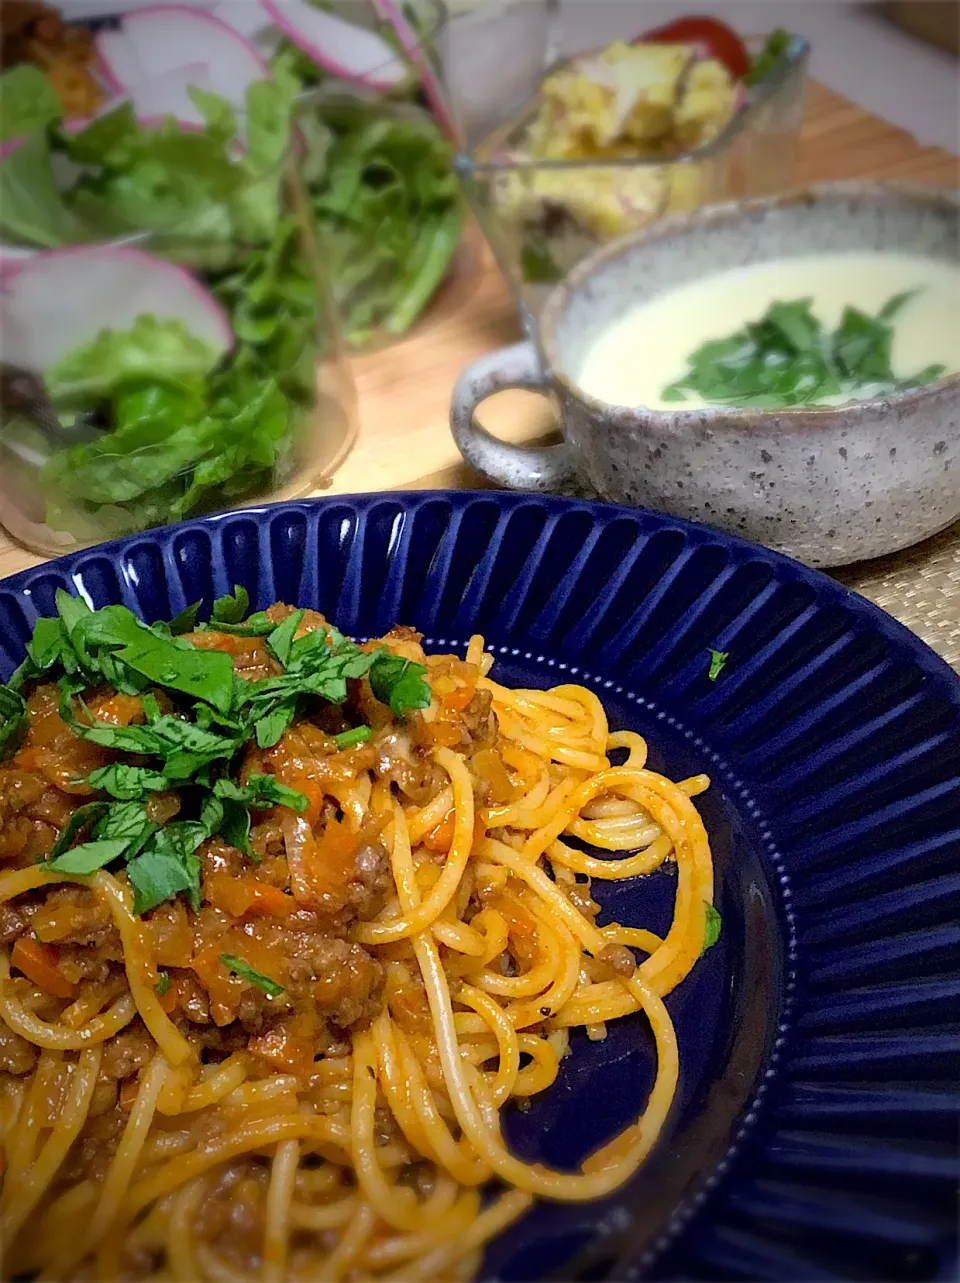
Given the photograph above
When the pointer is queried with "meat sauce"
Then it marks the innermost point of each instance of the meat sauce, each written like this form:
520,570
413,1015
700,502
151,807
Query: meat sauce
288,913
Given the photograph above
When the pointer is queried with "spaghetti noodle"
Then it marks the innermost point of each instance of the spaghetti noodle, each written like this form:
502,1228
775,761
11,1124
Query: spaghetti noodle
301,1075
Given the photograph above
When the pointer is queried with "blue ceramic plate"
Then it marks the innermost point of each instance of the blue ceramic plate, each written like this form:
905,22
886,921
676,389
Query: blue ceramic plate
815,1132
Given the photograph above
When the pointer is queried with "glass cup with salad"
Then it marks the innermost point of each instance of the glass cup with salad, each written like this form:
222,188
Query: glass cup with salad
377,163
613,140
170,344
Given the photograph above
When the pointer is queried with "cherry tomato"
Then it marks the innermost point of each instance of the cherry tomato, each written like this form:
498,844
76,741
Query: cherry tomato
713,39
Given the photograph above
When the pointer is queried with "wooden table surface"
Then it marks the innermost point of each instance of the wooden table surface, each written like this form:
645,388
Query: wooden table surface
404,390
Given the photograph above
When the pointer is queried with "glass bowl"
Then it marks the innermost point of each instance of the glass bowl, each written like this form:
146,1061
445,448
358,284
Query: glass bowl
388,210
170,373
542,217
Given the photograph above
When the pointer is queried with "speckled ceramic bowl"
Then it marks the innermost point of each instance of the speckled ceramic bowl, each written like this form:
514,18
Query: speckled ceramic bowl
828,485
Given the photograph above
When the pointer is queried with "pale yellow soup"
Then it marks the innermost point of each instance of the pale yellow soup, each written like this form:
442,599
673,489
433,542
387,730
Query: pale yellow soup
633,360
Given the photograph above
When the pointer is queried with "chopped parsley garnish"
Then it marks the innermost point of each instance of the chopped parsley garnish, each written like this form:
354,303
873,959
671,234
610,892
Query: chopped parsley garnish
245,972
163,984
13,720
787,359
198,718
348,739
231,608
718,662
711,932
399,683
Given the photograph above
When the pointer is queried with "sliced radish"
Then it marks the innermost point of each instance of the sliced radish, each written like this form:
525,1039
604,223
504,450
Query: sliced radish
160,36
110,286
119,65
413,47
169,95
154,101
340,47
251,20
12,258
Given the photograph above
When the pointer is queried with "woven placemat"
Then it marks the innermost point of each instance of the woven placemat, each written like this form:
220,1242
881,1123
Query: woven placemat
920,587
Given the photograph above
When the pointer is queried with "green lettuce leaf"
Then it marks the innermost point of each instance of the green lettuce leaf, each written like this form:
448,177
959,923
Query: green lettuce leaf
32,208
28,102
151,349
389,213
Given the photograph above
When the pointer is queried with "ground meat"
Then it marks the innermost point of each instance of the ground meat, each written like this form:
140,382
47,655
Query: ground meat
619,959
578,893
13,922
80,962
476,717
127,1052
374,881
17,1056
345,981
217,857
415,774
74,915
403,632
192,999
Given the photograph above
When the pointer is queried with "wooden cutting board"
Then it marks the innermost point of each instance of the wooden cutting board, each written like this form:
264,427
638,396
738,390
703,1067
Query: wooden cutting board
404,390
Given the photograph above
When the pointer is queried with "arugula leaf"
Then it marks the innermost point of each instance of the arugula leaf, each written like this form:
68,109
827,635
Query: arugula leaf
347,739
164,351
89,856
246,972
127,783
400,683
163,984
231,608
13,721
261,792
712,930
718,661
28,101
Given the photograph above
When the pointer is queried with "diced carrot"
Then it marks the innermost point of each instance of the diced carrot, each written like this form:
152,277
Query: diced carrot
291,772
168,1000
440,838
325,865
224,989
119,710
458,699
246,895
444,734
38,962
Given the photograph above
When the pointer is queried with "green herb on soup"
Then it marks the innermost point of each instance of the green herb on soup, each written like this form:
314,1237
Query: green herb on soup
788,358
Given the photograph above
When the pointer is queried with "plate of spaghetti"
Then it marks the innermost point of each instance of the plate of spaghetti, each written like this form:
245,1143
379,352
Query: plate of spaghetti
455,886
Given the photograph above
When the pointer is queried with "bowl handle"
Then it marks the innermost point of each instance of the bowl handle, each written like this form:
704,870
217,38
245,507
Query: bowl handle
520,467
